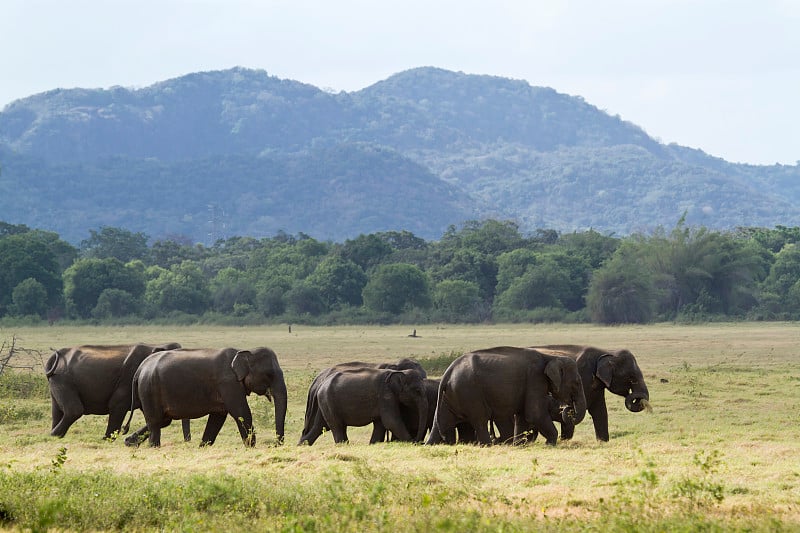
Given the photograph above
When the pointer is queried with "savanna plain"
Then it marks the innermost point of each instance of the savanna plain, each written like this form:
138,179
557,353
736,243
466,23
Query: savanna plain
718,451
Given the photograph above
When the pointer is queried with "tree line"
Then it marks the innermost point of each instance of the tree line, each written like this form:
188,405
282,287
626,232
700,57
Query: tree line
477,272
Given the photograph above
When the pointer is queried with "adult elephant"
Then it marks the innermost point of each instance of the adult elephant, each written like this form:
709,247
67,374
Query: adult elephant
402,364
359,396
189,384
614,370
500,383
95,380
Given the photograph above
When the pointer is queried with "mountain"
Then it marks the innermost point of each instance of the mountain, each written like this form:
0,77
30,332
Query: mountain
240,152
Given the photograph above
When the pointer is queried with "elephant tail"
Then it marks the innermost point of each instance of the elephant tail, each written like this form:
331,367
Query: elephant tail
312,406
52,363
135,404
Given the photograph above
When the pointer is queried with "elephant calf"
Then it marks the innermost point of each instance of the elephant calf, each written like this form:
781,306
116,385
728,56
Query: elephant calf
379,433
360,396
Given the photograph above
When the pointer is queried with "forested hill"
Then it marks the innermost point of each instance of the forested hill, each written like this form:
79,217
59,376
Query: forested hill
239,152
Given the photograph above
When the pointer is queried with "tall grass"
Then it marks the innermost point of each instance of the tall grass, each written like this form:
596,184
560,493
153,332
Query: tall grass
718,452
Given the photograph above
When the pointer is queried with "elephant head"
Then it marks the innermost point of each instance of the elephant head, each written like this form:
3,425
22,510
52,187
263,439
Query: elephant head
405,364
566,387
409,387
621,375
259,372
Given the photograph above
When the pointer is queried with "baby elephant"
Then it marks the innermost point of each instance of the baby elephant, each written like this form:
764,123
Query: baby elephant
361,396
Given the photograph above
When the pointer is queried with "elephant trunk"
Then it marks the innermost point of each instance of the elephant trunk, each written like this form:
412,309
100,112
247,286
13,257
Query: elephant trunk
575,411
280,397
637,401
422,409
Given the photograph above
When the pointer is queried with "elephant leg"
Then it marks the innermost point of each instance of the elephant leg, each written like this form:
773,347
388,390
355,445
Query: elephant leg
378,432
314,431
524,433
155,432
213,426
72,408
339,433
118,407
481,426
246,429
137,437
466,434
435,436
399,430
444,424
546,428
567,429
187,430
599,414
506,430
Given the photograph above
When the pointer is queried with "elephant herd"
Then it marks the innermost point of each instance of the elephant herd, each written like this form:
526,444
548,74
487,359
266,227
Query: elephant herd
499,395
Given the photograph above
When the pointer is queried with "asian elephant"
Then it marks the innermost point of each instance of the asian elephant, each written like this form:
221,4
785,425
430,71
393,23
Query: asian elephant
402,364
362,395
500,383
410,415
95,380
188,384
615,370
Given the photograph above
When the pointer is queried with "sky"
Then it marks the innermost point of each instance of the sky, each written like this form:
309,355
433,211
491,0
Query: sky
722,76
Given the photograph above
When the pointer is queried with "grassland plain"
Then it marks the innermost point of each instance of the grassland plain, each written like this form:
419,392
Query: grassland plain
720,450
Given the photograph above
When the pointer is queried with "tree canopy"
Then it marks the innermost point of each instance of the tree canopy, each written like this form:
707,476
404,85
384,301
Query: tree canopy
481,271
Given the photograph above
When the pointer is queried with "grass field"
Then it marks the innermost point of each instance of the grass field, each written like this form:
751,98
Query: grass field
720,450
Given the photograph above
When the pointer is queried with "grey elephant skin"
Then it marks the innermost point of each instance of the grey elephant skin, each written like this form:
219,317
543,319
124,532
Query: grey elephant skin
187,384
614,370
402,364
362,396
94,380
499,384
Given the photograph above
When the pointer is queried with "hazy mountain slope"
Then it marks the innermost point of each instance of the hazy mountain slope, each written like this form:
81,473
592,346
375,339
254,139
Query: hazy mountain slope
327,193
420,150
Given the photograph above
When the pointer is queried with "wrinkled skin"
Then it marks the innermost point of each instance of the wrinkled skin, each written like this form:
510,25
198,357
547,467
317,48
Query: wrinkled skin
359,396
402,364
188,384
500,383
95,380
614,370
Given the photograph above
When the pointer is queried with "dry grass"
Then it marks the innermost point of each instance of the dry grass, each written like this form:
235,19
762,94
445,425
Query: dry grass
726,412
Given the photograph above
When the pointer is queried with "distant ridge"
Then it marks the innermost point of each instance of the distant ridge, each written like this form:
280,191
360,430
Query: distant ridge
418,151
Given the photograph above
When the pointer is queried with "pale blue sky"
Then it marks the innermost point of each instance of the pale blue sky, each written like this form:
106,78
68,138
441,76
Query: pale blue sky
722,76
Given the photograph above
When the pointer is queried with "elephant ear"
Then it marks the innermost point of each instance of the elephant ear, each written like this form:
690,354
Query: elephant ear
553,372
396,381
241,364
605,369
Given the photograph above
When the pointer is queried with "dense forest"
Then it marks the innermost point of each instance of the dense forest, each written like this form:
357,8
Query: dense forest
481,271
218,154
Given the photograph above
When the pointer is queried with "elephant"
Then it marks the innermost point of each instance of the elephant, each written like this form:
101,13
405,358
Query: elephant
95,380
465,433
410,415
189,384
359,396
495,384
615,370
402,364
